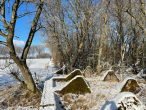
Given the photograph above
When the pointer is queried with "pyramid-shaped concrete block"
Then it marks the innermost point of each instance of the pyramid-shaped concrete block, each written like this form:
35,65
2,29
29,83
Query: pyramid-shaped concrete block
77,85
88,72
110,76
70,76
130,85
73,74
123,101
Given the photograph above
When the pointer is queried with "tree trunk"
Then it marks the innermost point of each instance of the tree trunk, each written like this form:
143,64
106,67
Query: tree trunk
114,57
26,72
99,58
27,75
143,65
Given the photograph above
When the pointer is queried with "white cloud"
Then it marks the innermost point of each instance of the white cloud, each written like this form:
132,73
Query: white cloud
18,42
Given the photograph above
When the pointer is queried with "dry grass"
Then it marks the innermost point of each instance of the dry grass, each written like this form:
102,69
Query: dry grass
18,96
74,102
100,94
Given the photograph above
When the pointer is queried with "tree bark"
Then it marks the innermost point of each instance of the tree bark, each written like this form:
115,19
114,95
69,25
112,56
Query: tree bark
99,58
24,69
103,38
27,75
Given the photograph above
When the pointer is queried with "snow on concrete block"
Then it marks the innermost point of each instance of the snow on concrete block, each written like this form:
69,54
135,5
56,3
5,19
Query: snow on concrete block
88,72
123,101
130,70
110,76
114,68
69,77
77,85
130,85
142,74
47,108
48,99
73,74
62,71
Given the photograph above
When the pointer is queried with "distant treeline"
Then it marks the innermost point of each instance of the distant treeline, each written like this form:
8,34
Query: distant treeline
36,51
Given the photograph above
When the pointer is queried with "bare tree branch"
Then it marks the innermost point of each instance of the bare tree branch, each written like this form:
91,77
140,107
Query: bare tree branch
2,42
142,7
140,25
7,65
13,18
3,34
32,31
3,13
24,14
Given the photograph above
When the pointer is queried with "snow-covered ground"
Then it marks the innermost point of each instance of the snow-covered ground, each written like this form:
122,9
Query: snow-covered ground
44,68
101,91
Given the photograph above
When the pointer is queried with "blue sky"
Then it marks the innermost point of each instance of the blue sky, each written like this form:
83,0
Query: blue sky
23,24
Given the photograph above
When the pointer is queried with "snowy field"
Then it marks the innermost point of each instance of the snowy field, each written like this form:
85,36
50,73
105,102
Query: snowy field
44,68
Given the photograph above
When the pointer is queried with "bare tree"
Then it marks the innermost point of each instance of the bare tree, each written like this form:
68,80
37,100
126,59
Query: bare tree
9,33
91,32
73,36
102,36
140,18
